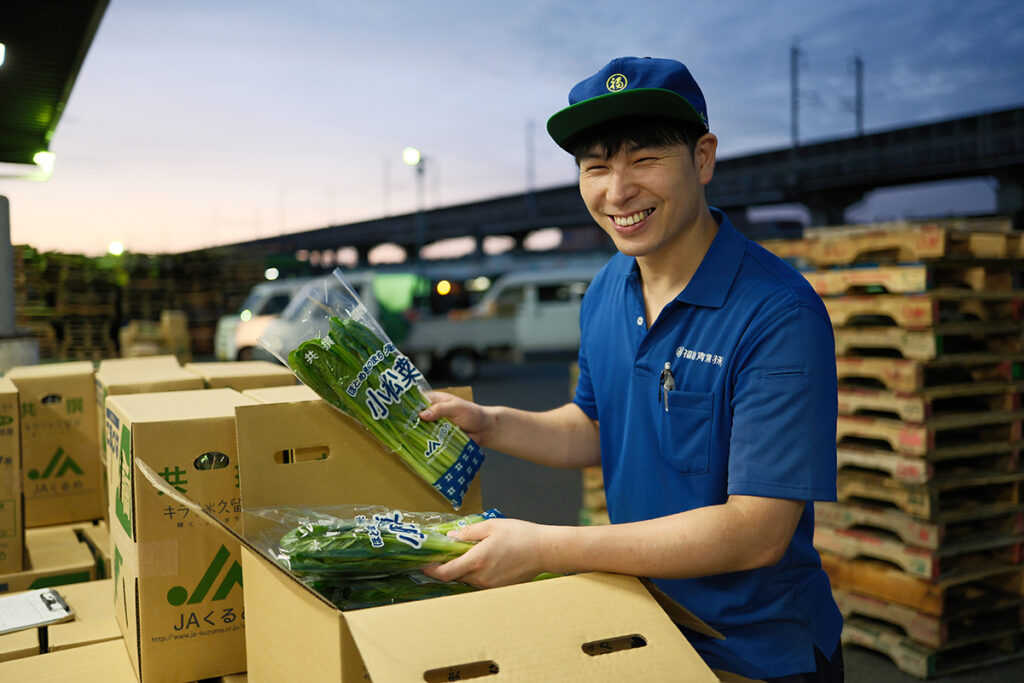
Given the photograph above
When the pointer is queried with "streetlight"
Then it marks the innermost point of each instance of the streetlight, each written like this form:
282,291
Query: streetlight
412,157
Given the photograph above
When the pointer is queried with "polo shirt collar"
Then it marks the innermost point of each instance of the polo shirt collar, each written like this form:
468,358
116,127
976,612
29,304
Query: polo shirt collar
710,284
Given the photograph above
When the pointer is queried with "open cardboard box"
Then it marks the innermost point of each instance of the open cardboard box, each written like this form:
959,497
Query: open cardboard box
302,452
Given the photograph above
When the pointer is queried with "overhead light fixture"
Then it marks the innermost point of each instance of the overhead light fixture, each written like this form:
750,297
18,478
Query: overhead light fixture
3,52
44,160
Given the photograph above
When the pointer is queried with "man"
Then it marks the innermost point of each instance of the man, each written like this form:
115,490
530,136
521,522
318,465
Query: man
707,392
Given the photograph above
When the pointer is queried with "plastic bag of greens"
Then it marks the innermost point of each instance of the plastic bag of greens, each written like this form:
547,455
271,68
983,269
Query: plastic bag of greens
334,345
321,544
347,593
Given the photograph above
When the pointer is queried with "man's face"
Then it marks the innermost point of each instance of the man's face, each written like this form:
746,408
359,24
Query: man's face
648,199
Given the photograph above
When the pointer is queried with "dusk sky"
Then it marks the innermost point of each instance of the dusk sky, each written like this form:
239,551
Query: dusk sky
196,123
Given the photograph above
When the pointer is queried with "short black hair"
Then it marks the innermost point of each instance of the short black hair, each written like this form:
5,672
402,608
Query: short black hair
606,139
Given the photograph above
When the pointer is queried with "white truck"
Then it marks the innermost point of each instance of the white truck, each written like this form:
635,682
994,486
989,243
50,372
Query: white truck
523,312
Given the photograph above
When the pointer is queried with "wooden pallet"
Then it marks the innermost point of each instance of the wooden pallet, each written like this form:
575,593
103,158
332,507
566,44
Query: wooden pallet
967,339
997,457
922,661
931,403
924,311
916,278
953,499
953,559
950,373
920,533
990,617
956,434
946,598
896,243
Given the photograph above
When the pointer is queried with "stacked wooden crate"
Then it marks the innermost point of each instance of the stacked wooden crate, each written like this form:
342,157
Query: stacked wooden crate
86,308
924,547
34,298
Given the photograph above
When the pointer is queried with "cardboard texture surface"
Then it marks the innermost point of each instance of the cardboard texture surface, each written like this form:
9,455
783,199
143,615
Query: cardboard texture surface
12,523
242,375
178,582
62,475
54,558
105,662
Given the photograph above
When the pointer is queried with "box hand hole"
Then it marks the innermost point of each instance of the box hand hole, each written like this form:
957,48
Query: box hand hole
212,460
289,456
461,672
617,644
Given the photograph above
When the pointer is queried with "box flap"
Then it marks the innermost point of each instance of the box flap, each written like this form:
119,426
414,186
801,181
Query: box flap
284,394
348,464
679,614
528,632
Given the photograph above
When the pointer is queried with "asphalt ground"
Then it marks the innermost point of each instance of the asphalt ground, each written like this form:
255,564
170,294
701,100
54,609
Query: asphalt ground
540,494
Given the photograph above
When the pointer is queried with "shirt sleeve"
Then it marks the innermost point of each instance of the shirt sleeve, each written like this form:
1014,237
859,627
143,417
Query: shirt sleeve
783,440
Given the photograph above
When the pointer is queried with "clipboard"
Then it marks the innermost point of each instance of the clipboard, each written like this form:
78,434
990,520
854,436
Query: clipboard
30,609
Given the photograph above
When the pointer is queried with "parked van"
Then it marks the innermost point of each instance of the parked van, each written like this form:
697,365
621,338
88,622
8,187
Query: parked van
523,312
237,335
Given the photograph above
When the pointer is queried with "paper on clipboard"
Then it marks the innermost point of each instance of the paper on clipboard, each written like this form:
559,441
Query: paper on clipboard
33,608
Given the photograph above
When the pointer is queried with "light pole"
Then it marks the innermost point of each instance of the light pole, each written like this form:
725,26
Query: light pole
412,157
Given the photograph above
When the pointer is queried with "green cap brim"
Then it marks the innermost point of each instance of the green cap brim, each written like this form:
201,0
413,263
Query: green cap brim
640,102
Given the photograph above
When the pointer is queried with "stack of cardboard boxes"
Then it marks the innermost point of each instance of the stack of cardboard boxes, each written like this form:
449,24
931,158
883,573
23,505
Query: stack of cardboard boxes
925,545
184,465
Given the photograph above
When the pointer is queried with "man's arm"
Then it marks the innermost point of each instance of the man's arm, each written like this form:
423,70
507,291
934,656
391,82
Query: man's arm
746,532
563,437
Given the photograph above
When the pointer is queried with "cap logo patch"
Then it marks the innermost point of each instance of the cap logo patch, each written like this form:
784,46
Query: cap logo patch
616,82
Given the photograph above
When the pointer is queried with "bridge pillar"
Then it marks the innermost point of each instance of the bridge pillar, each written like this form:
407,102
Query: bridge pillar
829,207
363,255
1010,197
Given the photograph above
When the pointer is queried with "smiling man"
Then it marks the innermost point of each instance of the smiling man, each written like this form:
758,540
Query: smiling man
707,393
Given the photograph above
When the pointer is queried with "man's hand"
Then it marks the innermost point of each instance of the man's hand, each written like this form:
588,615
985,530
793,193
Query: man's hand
471,417
507,551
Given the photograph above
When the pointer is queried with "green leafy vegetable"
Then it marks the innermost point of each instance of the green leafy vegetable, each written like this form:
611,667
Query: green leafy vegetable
370,380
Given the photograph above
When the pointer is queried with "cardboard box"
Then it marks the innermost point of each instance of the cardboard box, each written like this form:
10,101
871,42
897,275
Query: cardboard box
12,524
547,630
178,582
62,476
289,394
53,558
118,376
105,662
92,604
242,375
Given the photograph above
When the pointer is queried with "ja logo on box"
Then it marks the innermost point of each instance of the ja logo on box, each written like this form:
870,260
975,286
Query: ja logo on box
67,464
179,595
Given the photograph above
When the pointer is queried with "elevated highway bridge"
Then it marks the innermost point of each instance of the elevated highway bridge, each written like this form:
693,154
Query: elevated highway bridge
826,177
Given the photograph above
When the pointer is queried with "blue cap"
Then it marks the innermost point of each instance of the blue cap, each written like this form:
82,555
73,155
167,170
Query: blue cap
631,86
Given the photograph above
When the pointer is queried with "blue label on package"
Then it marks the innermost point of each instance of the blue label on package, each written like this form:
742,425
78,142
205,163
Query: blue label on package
457,478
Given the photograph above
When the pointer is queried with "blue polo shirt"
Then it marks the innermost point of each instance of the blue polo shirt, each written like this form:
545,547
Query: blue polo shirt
753,412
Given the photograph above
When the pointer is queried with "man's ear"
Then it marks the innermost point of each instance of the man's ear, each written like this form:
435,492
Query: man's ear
704,157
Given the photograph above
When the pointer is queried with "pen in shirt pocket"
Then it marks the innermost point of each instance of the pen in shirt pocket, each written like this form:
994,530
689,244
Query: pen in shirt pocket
666,383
